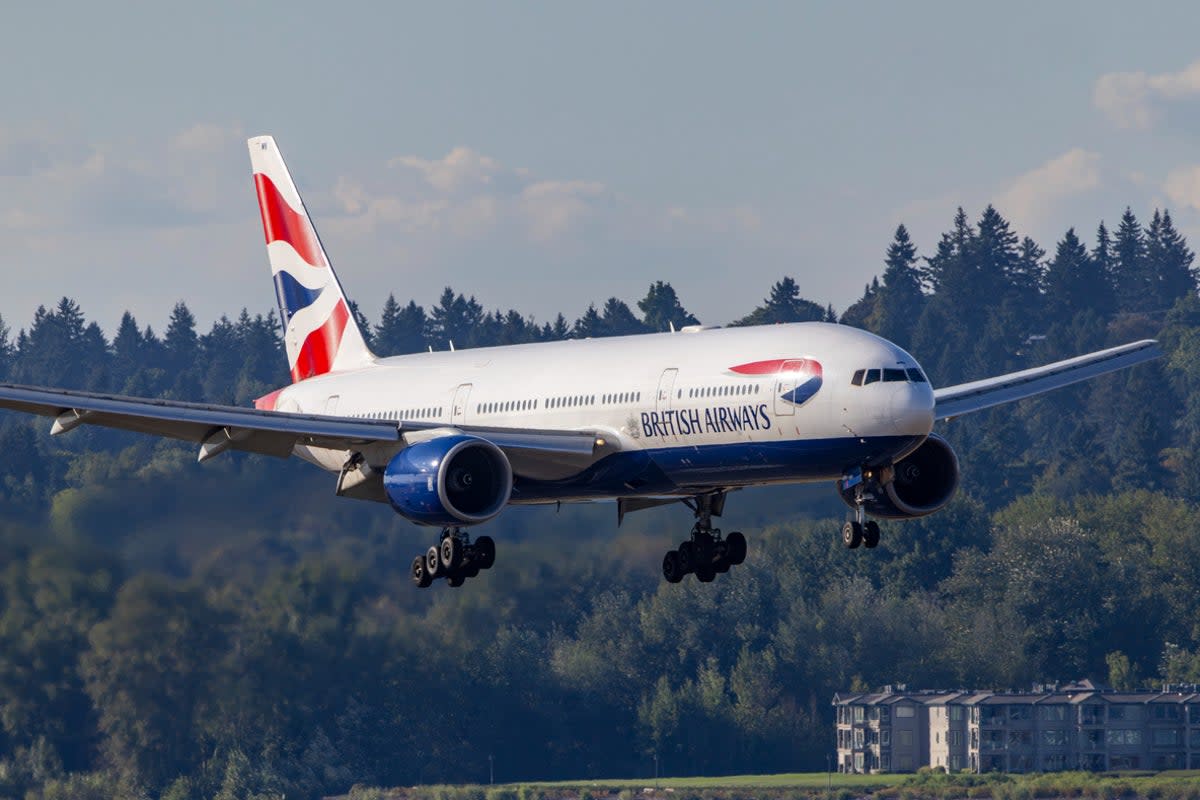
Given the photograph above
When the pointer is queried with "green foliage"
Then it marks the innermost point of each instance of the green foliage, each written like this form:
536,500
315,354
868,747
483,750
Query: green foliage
227,631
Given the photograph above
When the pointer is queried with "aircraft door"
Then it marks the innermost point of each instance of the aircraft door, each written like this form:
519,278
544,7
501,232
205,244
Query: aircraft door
666,394
458,408
331,405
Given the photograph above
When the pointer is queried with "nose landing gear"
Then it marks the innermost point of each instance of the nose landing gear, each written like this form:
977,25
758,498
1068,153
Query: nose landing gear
706,554
454,558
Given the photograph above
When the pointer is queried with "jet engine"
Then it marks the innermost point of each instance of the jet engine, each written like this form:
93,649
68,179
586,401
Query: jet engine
919,484
449,481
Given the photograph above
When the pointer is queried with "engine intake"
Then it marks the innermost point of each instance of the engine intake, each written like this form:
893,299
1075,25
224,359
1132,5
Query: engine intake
450,480
919,484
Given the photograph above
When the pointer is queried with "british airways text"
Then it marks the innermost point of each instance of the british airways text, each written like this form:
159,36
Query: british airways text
690,421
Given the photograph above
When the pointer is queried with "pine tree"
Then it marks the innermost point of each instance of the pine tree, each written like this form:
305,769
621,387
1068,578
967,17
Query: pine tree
863,312
619,319
590,325
1134,292
401,329
661,309
6,350
1169,261
181,341
900,298
784,305
1070,279
454,319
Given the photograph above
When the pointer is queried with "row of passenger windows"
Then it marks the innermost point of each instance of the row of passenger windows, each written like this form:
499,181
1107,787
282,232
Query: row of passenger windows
888,375
405,414
506,406
733,390
568,401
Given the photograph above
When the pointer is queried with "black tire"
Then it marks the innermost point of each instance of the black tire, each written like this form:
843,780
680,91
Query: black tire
485,552
420,575
705,574
451,551
456,580
721,565
433,562
735,548
670,567
871,534
687,558
471,570
852,534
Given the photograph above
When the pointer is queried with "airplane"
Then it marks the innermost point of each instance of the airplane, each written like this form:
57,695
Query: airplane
450,439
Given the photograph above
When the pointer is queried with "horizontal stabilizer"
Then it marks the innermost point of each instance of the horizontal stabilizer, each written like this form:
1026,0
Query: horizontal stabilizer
953,401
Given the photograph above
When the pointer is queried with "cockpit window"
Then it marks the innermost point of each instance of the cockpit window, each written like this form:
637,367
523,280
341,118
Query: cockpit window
857,380
916,376
872,376
894,376
862,377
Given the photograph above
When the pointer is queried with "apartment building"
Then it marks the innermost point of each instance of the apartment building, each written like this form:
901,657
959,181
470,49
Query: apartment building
1078,726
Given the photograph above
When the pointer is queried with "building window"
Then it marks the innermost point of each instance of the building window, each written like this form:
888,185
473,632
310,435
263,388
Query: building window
956,739
1167,737
906,738
1056,713
1091,715
1018,713
956,762
885,714
885,738
956,713
905,711
859,713
1054,737
885,762
1123,737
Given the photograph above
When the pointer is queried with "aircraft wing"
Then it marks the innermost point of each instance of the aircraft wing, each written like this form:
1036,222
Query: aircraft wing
953,401
218,428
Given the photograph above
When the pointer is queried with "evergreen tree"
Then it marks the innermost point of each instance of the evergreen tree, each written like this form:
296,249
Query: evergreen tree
364,324
900,298
558,331
1134,290
661,309
619,319
864,311
6,350
1071,279
784,305
181,340
401,329
1169,262
1104,301
454,319
590,325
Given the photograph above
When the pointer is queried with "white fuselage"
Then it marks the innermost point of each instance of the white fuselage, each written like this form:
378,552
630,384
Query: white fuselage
674,397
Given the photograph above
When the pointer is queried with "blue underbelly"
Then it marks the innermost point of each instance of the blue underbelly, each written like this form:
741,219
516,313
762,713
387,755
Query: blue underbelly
688,470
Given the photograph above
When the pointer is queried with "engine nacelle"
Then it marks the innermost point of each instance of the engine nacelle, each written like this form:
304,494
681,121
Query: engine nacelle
450,480
919,484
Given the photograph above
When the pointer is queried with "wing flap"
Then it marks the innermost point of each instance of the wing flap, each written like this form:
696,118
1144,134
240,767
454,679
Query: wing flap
953,401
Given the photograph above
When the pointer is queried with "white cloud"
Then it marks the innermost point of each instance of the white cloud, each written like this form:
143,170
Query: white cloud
1138,100
1033,195
1183,187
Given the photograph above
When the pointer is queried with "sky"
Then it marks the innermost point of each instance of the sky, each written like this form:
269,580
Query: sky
544,156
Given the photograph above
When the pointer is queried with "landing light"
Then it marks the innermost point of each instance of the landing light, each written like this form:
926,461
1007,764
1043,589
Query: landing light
600,441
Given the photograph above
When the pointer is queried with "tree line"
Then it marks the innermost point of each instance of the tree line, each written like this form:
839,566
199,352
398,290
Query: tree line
231,630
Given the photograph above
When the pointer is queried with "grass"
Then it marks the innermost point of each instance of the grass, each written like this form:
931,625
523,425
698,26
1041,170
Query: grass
926,785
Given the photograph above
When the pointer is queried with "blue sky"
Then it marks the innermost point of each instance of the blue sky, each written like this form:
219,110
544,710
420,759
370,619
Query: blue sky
546,155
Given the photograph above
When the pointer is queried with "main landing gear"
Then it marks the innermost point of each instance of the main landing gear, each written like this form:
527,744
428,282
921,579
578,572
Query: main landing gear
454,558
706,554
857,532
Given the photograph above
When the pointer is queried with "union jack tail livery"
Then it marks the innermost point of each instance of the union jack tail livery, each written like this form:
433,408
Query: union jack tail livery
318,328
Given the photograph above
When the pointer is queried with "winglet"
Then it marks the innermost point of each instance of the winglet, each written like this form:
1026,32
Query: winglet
320,332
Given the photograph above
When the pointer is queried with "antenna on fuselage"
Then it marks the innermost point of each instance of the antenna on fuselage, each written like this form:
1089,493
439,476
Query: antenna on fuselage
672,324
451,345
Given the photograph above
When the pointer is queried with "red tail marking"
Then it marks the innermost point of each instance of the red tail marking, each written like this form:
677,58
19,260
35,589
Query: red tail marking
282,223
321,346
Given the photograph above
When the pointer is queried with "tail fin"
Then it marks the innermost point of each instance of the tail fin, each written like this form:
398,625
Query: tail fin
319,330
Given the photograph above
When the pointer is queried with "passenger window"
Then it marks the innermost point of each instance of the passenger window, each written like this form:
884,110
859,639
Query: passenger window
857,380
916,376
894,376
872,376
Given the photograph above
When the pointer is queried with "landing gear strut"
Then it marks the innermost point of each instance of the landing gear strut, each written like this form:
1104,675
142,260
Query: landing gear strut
706,553
454,558
857,532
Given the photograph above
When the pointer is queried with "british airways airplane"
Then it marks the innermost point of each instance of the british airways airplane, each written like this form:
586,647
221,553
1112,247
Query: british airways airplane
449,439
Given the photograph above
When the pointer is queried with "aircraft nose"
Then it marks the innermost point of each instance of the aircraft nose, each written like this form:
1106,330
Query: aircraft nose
912,408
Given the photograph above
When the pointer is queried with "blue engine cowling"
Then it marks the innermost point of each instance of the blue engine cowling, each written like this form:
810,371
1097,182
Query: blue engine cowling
918,484
451,480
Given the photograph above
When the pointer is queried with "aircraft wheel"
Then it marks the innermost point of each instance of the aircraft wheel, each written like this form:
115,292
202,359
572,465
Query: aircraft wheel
456,580
871,534
735,548
451,552
852,534
721,565
686,555
420,575
485,550
705,574
433,562
671,568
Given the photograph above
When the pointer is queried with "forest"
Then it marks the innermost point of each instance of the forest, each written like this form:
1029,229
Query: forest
233,630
